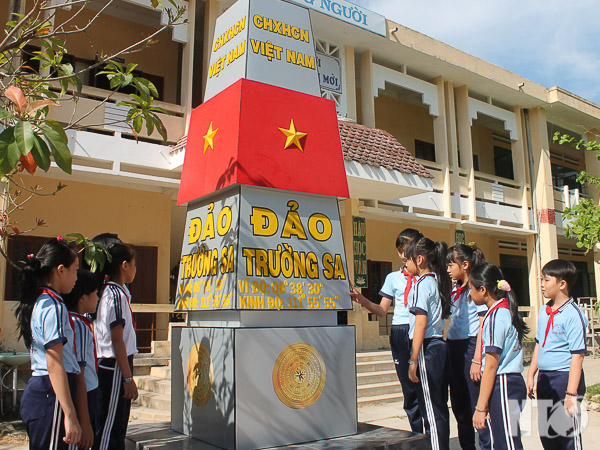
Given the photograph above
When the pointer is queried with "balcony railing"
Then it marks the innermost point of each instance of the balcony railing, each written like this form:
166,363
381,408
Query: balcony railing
106,116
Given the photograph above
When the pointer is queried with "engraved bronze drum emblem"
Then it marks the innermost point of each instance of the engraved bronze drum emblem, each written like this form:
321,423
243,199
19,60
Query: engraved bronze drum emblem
200,374
299,375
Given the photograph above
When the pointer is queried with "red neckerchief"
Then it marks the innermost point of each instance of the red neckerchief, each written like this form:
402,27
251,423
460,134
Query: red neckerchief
551,315
89,325
458,290
502,304
57,297
112,283
409,281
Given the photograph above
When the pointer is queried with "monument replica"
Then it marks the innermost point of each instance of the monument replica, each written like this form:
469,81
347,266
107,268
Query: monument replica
262,361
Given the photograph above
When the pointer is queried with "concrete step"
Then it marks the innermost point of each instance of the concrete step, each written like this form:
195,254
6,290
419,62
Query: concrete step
372,390
376,377
154,384
142,363
148,414
375,366
163,372
161,349
383,355
379,399
153,400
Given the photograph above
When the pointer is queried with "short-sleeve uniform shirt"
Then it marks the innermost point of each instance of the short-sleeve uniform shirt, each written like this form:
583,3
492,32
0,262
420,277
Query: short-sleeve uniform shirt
86,355
465,314
393,288
425,299
500,336
114,310
566,337
50,326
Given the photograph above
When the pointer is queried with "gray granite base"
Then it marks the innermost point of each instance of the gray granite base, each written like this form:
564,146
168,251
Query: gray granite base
159,436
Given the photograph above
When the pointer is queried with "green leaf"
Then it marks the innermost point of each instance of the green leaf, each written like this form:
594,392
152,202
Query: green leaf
78,237
24,136
130,67
5,114
56,137
137,123
41,153
6,137
149,124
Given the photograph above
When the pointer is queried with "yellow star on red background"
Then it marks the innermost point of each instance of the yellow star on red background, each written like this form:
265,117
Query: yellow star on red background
209,137
293,136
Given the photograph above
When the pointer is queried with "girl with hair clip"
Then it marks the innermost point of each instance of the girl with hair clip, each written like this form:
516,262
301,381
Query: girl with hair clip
464,345
502,392
48,403
396,289
430,305
116,345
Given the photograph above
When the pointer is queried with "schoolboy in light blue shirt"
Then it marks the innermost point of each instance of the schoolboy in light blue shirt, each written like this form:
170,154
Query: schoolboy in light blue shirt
559,351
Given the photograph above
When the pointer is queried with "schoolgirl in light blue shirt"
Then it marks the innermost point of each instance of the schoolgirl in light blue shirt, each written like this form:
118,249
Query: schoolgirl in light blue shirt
502,392
426,301
464,345
429,355
47,406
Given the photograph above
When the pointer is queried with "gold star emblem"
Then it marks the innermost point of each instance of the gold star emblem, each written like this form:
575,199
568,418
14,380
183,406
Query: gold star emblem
209,137
292,136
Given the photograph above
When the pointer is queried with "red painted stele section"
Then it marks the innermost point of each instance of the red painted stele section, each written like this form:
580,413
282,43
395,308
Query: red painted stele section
249,147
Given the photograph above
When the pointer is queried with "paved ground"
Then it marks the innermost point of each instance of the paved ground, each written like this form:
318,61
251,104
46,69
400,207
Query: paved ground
392,416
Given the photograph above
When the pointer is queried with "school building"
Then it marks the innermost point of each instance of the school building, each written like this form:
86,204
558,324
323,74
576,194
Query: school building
433,138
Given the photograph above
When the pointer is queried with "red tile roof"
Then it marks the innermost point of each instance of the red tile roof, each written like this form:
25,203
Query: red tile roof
370,146
377,148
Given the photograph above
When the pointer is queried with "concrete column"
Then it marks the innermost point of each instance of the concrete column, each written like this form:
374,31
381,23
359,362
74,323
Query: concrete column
542,185
452,139
211,12
187,68
440,139
520,165
535,283
592,166
367,101
463,126
350,69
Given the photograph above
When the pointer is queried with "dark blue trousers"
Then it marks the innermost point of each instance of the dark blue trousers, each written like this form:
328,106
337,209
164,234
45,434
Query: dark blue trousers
459,364
114,409
401,350
464,393
557,429
506,403
93,404
42,414
432,392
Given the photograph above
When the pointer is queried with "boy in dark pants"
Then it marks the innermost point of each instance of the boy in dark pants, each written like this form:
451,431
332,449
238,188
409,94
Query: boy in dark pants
559,351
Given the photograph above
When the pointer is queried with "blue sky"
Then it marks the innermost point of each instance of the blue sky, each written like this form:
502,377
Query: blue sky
550,42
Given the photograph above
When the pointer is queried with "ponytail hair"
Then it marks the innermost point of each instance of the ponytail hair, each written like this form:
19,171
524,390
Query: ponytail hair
119,253
35,273
435,257
461,253
488,275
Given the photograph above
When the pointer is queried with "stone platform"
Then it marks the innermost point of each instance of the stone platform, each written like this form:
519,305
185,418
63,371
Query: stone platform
159,436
